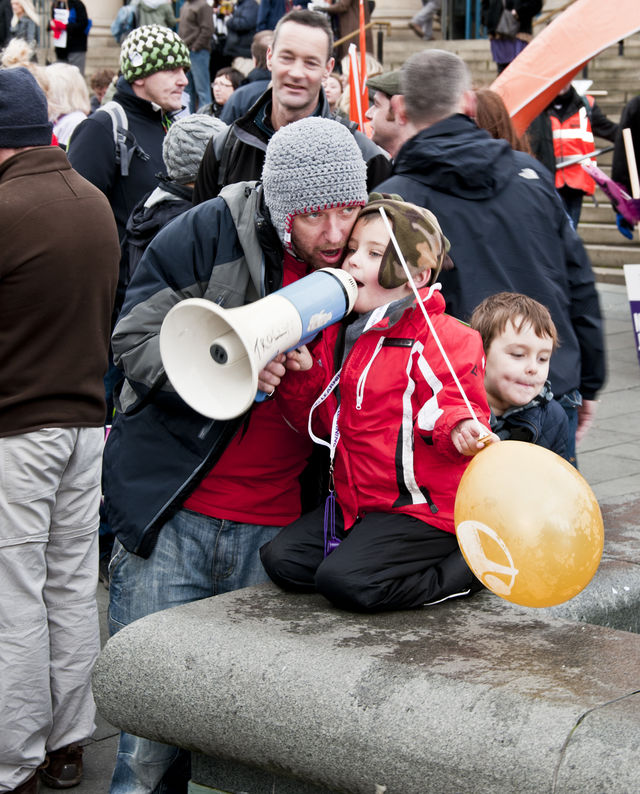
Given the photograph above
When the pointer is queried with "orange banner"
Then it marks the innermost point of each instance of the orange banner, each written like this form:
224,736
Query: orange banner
556,55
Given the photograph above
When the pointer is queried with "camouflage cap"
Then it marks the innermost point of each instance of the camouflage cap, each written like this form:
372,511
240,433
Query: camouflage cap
419,237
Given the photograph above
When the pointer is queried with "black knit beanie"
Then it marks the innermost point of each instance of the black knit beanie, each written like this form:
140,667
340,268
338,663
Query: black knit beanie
24,115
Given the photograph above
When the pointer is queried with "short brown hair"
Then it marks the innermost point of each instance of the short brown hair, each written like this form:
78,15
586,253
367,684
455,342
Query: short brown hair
101,79
259,46
490,317
311,19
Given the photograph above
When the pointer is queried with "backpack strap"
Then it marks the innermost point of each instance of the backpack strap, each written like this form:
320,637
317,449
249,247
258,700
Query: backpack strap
124,140
223,145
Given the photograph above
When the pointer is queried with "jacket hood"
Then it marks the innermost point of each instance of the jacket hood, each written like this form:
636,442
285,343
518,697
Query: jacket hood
151,5
457,158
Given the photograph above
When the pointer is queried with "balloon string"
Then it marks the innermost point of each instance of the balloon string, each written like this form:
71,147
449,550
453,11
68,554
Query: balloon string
427,318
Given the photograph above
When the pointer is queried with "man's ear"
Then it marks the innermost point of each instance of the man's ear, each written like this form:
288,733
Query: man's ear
269,57
398,108
329,67
469,104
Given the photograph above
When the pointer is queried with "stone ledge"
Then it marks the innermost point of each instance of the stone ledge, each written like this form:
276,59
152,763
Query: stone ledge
463,697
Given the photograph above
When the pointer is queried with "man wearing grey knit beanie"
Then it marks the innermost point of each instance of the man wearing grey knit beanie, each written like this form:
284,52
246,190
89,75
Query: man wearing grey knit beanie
176,485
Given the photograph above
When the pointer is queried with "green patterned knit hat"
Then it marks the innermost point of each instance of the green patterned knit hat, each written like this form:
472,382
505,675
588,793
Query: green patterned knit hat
152,48
419,237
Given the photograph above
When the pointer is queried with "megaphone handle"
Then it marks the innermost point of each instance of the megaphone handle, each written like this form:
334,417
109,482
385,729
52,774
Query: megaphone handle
261,396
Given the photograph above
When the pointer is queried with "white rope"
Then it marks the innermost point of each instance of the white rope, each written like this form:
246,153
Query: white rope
428,319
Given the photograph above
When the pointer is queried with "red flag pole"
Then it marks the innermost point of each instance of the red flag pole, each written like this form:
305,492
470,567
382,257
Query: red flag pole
363,63
355,90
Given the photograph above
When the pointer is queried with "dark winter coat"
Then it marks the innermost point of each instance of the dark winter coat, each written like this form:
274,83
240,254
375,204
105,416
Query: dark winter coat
159,449
543,421
509,232
630,118
526,10
241,28
149,216
5,22
252,88
271,11
77,32
92,152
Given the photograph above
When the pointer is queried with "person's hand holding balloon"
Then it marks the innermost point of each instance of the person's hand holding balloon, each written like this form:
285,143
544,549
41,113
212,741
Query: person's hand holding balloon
469,437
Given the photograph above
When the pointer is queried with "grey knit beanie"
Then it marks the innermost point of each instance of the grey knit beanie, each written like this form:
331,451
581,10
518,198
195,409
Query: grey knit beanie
184,145
311,164
150,49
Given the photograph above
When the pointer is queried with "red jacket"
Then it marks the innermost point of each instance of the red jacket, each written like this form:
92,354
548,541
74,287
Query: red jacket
398,405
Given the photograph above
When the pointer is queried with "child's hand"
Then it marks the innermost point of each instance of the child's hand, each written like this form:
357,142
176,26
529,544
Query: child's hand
299,360
271,376
466,437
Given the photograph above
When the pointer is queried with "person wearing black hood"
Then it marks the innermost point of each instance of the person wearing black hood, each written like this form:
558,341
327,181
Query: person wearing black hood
182,152
506,223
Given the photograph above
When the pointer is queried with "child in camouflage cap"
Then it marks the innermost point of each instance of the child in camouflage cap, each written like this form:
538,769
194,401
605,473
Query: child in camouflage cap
376,391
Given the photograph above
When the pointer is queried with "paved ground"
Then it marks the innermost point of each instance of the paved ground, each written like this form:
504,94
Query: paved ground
609,458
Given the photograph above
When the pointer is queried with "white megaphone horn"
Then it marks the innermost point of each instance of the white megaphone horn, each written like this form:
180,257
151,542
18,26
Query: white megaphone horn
212,356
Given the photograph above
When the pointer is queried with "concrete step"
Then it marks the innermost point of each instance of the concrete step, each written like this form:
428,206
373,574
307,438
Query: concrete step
605,234
602,214
609,275
613,256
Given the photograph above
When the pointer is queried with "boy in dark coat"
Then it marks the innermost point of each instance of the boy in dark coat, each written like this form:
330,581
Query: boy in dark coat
519,337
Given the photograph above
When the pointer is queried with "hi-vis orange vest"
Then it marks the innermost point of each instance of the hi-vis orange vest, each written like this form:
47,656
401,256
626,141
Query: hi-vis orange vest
571,138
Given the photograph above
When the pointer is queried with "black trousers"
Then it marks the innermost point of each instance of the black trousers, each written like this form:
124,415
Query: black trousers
385,561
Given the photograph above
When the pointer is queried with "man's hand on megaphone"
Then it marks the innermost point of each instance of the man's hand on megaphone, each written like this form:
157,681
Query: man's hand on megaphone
270,377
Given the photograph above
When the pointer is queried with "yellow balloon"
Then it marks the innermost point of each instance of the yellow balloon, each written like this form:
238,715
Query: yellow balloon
528,524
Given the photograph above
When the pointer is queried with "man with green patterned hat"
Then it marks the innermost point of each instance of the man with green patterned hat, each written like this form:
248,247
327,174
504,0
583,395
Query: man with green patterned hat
153,64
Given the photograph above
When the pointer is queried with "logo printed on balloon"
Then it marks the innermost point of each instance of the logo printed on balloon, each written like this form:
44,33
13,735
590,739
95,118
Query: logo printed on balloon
488,571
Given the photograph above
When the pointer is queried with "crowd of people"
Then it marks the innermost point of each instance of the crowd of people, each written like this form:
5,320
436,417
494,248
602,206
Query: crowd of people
476,320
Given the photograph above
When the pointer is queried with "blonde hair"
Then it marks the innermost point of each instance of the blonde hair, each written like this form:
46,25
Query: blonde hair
67,90
29,10
19,52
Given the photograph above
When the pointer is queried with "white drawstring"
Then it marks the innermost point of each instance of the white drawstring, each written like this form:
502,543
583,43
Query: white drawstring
428,319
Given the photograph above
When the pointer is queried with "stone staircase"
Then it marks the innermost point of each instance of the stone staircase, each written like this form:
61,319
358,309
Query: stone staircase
616,79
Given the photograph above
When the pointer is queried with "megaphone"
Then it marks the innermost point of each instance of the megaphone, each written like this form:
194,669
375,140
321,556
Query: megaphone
212,356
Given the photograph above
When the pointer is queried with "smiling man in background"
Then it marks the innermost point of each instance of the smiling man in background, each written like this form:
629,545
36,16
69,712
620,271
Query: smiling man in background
299,59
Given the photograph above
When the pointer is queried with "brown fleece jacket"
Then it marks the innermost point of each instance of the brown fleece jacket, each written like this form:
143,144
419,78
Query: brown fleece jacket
58,272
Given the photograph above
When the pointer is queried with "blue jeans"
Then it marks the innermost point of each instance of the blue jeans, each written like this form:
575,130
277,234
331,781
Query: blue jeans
199,79
195,557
